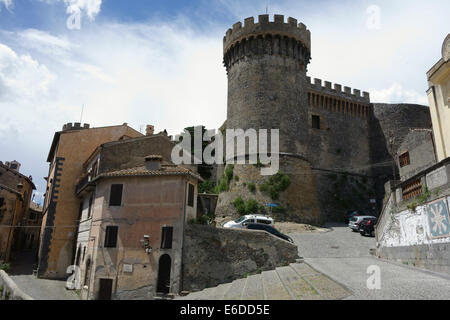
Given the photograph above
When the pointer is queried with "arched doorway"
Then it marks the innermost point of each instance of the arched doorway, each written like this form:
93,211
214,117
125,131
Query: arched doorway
165,264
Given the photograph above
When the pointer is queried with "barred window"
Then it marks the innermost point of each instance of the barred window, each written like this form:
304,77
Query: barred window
404,159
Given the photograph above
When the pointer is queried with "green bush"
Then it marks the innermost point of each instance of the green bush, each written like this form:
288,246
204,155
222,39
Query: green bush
239,204
250,207
251,187
276,184
206,186
5,267
224,182
229,172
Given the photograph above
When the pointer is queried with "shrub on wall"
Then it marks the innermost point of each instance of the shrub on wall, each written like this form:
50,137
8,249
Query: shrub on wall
276,184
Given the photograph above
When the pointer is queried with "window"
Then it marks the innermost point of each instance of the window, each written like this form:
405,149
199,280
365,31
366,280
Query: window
316,122
115,198
91,199
263,221
84,253
111,236
191,195
166,237
404,159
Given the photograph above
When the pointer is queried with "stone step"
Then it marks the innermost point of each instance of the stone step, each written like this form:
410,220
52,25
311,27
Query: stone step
220,291
273,287
327,288
235,290
253,288
303,269
296,285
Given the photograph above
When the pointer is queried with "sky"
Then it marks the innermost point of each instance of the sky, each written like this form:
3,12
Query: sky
107,62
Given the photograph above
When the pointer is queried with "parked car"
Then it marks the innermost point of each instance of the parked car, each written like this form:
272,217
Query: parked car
243,221
367,226
269,229
355,221
352,213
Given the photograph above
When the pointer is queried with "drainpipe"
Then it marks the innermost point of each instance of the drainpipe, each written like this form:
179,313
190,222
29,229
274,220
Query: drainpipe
182,239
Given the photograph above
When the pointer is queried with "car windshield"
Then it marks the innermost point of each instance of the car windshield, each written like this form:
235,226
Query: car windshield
240,219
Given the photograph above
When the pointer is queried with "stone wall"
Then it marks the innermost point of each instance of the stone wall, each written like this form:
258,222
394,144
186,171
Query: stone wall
416,231
420,147
300,200
215,255
9,290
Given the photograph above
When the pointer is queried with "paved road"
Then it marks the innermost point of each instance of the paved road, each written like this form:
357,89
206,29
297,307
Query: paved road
345,256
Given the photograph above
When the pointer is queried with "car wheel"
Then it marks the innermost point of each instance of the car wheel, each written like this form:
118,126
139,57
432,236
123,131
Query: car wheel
372,233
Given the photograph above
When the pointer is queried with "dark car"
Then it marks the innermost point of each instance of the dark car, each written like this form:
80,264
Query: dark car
367,227
269,229
352,213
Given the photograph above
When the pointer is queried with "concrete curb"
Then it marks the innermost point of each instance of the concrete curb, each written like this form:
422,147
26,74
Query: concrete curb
425,271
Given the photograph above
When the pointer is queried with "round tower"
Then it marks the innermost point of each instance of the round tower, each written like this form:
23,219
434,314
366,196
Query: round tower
266,64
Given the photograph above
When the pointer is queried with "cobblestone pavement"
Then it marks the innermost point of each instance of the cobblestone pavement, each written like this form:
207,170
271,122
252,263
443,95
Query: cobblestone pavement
345,257
41,289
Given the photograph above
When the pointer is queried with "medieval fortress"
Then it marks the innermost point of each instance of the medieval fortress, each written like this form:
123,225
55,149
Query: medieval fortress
335,145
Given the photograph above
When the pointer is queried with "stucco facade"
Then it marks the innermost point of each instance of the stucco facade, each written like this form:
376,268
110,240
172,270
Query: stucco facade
439,99
152,198
71,147
15,197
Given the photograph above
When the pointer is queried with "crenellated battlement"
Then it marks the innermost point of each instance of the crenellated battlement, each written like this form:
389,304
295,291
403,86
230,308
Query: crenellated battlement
329,88
75,126
277,27
332,98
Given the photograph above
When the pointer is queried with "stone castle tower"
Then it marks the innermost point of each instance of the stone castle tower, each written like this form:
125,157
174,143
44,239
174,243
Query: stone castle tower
334,143
266,65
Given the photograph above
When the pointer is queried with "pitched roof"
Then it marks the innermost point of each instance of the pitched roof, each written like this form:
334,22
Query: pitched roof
166,170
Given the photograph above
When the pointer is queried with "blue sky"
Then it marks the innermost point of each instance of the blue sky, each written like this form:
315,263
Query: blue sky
160,62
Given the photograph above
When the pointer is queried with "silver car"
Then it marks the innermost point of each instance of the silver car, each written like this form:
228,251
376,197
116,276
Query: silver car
355,221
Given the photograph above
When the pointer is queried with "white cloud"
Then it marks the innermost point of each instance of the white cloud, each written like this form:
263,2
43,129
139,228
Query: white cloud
22,77
6,3
90,7
397,94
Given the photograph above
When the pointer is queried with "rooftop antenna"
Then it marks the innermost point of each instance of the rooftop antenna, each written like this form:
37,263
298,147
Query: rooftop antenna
267,9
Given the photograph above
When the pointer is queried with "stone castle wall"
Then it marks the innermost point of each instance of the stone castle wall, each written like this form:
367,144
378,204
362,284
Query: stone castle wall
213,256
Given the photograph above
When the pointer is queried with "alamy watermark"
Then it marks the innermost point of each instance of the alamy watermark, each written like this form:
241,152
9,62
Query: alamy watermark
241,147
374,17
374,280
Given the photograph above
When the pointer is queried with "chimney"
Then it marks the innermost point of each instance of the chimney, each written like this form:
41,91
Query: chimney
150,130
153,162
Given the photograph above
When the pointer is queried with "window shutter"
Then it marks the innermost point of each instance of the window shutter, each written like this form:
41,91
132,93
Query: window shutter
166,237
111,236
115,199
191,194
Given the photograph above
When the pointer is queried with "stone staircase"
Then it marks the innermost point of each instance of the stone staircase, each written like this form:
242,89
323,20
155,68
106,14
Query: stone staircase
298,281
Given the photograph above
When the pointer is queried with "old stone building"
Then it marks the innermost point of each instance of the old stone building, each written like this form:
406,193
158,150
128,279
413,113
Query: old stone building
15,197
414,226
335,145
70,148
439,99
133,217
